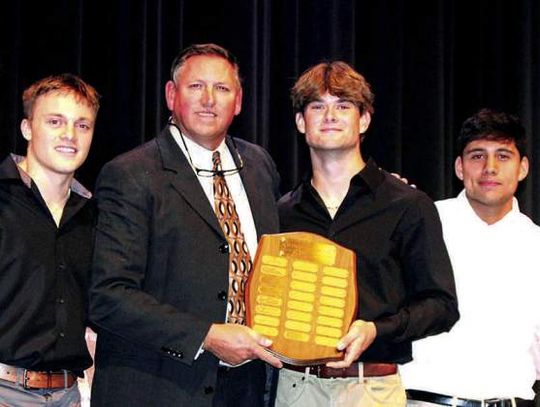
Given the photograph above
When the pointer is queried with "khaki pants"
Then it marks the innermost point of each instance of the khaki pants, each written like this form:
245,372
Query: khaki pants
300,390
12,394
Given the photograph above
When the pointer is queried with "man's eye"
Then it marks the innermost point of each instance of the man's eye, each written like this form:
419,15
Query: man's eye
344,106
54,122
195,86
84,126
477,157
504,157
316,106
222,88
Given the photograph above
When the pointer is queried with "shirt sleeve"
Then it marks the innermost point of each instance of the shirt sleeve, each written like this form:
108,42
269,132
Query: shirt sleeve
431,303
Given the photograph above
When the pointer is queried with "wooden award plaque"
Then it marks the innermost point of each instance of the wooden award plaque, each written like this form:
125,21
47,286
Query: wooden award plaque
302,294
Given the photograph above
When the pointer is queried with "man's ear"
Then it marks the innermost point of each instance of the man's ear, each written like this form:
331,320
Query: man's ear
300,122
365,120
238,102
26,129
523,168
170,94
458,168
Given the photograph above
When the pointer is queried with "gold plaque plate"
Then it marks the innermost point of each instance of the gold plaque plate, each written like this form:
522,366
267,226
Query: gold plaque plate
302,294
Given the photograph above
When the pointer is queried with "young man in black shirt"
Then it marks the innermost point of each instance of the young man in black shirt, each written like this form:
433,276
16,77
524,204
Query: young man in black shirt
46,238
405,282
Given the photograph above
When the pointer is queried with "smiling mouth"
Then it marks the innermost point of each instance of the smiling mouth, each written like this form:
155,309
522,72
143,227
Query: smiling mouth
330,129
66,149
206,114
489,184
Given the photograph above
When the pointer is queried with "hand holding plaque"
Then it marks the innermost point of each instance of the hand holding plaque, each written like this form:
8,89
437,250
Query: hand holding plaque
302,294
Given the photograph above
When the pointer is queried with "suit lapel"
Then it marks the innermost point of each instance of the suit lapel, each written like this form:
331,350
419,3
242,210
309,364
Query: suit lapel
184,180
250,181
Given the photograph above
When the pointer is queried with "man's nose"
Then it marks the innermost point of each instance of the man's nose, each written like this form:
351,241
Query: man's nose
69,131
491,165
208,98
330,114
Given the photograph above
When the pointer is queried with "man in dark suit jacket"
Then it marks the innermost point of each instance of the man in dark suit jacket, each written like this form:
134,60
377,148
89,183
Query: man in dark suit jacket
161,258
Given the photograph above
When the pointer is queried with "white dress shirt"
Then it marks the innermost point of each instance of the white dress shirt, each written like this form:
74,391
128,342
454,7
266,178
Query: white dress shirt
202,158
488,353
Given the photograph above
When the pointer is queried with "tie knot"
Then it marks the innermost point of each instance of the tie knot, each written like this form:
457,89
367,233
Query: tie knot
216,160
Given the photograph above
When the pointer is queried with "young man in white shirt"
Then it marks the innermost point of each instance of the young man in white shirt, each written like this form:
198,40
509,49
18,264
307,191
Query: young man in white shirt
486,359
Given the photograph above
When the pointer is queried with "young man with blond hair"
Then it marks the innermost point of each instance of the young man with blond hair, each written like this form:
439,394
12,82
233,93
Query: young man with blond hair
46,236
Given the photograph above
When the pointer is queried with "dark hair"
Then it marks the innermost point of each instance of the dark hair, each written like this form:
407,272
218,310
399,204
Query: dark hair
203,49
63,83
337,78
494,125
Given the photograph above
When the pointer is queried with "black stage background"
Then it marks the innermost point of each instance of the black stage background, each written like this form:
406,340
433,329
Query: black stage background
431,65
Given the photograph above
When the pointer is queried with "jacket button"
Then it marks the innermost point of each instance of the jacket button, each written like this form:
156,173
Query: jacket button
222,295
208,390
224,248
180,355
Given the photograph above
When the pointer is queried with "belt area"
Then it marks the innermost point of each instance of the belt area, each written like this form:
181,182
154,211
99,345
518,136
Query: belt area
31,379
445,400
325,372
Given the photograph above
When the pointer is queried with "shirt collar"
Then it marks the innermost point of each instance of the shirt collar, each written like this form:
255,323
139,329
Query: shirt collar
25,178
462,197
201,156
10,169
370,177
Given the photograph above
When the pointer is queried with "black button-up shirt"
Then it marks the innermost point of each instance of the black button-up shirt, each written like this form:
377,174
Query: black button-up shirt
44,274
406,284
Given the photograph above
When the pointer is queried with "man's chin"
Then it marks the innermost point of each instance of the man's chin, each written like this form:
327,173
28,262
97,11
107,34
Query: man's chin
493,201
67,169
207,138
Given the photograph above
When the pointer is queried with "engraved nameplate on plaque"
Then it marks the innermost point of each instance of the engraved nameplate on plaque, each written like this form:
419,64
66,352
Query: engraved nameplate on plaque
302,294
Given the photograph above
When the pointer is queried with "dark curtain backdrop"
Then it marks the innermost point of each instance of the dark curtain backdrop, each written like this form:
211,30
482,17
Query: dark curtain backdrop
431,64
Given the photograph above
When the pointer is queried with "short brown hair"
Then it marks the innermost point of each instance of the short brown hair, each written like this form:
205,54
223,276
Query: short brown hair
204,49
493,125
338,79
63,83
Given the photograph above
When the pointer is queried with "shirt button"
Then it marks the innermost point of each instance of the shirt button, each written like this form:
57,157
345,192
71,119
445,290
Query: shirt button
222,295
61,266
60,300
61,334
224,248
